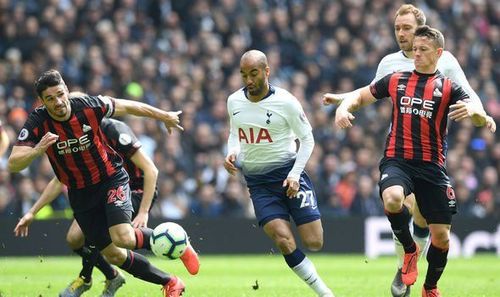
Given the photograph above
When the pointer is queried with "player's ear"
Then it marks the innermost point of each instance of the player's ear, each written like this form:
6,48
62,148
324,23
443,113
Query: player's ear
440,51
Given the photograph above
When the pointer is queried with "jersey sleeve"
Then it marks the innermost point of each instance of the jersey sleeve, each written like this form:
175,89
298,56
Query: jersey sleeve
105,103
382,68
30,133
297,118
124,140
233,143
458,93
457,75
380,88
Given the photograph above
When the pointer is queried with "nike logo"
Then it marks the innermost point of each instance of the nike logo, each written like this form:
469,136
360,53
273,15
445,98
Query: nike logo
236,112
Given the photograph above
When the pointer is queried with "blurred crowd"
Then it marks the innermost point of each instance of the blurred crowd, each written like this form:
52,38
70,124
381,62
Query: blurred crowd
184,55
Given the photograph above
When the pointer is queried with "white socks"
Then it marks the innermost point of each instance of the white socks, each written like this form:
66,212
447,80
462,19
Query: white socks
307,272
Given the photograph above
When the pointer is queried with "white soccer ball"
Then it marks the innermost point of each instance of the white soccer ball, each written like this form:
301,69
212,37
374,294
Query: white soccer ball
169,240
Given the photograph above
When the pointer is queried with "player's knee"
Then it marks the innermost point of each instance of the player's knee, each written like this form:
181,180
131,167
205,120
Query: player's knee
75,240
123,239
440,239
314,245
284,243
393,199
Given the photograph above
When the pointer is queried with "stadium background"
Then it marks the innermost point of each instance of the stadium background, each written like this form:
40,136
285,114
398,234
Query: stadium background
184,55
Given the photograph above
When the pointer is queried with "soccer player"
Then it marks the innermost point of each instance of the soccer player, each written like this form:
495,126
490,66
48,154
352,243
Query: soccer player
265,120
143,174
69,132
407,19
4,140
415,153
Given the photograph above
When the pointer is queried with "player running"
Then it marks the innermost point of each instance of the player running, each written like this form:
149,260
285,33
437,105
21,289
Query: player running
69,132
416,147
143,175
264,122
407,19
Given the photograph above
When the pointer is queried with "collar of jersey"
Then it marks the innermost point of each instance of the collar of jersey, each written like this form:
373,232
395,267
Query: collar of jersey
269,93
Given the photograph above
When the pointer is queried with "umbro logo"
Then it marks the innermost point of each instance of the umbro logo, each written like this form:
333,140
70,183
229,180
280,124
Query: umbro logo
236,112
401,87
437,93
86,128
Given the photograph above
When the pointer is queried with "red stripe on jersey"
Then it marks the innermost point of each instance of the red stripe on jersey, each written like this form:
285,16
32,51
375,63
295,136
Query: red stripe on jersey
407,135
87,157
424,123
61,174
393,89
443,107
72,167
98,141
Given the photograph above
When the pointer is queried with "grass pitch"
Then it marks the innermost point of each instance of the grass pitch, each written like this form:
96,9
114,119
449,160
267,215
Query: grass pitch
236,276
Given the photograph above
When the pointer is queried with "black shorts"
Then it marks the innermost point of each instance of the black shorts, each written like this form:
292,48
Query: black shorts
110,205
137,199
428,181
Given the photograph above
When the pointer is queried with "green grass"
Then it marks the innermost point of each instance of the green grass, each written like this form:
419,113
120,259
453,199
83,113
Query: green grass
227,276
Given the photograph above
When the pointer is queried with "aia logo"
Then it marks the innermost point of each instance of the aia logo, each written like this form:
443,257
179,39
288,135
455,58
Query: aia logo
251,136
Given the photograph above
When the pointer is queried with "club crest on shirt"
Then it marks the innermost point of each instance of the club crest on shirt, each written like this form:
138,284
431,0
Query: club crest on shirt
23,134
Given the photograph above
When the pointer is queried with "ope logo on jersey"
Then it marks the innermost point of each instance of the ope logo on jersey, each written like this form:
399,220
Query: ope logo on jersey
416,106
73,145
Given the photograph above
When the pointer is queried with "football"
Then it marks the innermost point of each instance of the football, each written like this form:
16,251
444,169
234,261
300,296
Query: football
169,240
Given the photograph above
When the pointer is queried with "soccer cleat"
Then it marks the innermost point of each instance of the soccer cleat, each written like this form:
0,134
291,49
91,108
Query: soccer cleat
112,285
76,288
431,293
398,288
174,288
409,271
190,260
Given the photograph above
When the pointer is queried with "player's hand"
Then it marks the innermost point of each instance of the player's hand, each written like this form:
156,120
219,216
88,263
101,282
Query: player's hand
330,98
229,164
47,140
172,121
293,187
343,118
141,220
490,124
22,226
467,109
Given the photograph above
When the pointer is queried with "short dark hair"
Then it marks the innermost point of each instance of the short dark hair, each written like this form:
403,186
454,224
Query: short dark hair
433,34
49,78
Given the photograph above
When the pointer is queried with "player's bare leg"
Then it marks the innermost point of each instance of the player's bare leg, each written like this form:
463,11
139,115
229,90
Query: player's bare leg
280,232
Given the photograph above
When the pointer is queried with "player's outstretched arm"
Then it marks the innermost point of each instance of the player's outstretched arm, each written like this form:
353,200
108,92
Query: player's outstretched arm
22,156
4,142
352,102
331,98
468,109
50,193
169,118
150,171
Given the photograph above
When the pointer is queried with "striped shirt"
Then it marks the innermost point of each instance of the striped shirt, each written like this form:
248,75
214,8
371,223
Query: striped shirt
121,138
80,157
420,106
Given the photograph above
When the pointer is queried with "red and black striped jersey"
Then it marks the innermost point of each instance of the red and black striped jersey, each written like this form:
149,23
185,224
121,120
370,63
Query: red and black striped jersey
80,157
121,138
420,105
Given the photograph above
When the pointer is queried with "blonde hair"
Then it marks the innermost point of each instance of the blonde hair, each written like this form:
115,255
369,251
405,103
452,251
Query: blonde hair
409,8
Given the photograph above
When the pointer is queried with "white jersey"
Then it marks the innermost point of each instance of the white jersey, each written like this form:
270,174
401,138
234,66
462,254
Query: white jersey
263,133
447,65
